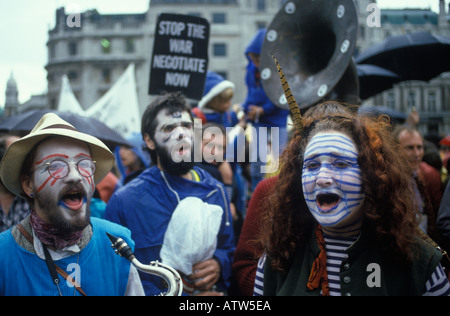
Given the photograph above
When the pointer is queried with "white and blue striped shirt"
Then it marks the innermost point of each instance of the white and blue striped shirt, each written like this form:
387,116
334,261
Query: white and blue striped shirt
437,285
259,278
335,255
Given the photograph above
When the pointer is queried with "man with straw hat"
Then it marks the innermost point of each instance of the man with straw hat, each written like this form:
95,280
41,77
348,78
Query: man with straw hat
59,249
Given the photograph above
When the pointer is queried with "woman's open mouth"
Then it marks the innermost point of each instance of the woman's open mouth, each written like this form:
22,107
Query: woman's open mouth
327,201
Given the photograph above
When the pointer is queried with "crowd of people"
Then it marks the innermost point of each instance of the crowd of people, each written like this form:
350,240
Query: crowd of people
355,207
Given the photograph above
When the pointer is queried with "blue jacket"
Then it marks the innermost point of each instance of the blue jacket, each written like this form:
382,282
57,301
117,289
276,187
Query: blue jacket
138,144
102,272
227,119
273,115
145,206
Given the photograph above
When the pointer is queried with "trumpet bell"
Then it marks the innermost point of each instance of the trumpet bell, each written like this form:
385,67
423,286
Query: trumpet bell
313,42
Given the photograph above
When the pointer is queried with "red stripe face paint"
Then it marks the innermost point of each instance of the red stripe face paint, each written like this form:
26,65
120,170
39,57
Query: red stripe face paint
62,188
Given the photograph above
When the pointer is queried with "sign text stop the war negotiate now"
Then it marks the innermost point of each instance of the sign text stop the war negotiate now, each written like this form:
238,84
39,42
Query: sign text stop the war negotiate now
180,55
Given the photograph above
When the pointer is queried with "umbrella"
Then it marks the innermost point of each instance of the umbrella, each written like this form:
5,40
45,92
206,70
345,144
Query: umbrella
445,141
416,56
396,116
23,124
374,79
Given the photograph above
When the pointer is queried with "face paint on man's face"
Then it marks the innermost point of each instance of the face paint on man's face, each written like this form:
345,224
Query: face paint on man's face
331,180
63,202
174,134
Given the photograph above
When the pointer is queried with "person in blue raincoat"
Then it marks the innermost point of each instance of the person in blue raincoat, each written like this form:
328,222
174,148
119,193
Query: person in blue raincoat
215,104
131,161
261,112
145,205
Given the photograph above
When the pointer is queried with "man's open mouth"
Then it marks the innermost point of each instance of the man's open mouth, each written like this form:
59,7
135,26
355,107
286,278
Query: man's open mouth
327,201
184,148
73,199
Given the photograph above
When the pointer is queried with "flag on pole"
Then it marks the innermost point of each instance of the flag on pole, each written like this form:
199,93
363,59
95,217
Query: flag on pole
119,107
67,100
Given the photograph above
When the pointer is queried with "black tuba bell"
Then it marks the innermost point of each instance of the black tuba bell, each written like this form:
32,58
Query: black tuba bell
313,41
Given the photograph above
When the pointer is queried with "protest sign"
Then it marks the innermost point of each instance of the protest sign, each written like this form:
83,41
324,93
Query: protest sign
180,55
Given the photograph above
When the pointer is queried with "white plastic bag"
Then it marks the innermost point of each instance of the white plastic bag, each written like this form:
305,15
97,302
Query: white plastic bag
191,236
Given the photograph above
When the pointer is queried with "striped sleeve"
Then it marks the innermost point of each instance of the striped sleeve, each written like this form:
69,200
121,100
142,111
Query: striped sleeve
259,278
438,284
335,249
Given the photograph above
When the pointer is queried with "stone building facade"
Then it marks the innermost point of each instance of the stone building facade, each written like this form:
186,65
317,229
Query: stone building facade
95,54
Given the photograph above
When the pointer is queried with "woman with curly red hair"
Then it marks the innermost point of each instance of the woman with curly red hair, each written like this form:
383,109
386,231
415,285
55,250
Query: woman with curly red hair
341,220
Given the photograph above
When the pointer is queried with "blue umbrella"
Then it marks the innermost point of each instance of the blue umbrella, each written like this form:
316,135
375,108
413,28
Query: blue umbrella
416,56
374,79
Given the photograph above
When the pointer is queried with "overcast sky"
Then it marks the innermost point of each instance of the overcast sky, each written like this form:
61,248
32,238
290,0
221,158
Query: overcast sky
24,26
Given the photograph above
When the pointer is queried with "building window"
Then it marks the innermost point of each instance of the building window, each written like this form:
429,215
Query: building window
72,75
106,75
432,106
411,99
73,48
130,45
260,25
261,5
106,45
52,50
220,49
53,104
390,100
51,78
197,14
219,18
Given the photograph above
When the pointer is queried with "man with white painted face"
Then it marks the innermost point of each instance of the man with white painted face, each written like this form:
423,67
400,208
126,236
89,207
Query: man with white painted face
341,220
146,204
59,249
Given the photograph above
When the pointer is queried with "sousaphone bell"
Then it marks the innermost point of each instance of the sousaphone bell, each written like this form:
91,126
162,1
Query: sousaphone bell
313,41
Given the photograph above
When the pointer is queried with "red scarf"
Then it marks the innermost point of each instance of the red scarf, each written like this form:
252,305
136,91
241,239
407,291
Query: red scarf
52,236
318,276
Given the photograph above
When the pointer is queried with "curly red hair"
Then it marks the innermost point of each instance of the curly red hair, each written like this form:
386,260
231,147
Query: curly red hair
389,210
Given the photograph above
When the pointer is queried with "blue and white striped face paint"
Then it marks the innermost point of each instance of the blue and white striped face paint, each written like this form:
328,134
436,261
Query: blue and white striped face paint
331,180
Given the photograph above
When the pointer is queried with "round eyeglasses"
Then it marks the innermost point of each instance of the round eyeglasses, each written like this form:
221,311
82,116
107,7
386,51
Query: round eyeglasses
59,169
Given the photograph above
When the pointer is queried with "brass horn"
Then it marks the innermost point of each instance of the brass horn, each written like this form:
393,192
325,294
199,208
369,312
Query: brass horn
170,275
314,40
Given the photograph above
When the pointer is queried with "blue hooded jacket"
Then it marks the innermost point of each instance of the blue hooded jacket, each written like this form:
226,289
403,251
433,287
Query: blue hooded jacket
135,139
215,84
145,206
273,115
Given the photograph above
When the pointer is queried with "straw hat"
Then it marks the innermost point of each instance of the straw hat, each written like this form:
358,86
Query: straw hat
50,125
